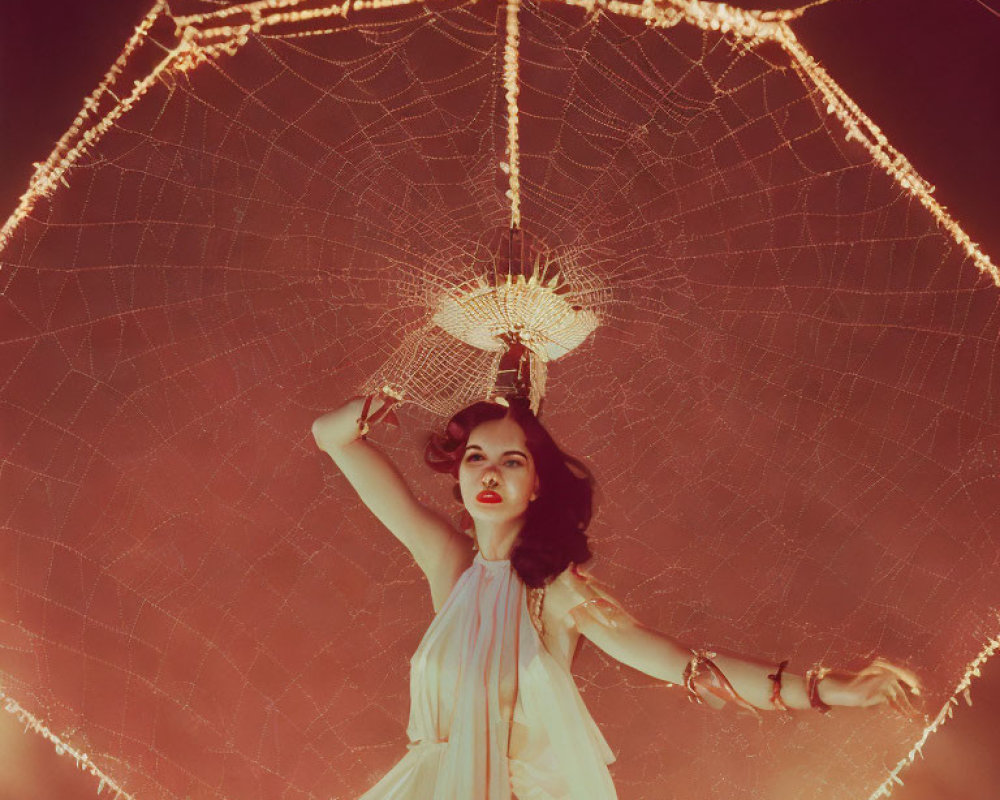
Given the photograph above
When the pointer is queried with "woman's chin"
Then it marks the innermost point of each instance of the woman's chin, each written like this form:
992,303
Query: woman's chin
496,512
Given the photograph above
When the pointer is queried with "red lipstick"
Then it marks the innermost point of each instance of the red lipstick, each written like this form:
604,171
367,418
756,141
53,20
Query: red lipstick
487,496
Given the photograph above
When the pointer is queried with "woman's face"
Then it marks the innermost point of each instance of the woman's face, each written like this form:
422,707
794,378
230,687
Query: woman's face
497,473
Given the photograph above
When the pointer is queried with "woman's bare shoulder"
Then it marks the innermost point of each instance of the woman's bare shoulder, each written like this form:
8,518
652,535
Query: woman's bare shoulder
578,596
574,585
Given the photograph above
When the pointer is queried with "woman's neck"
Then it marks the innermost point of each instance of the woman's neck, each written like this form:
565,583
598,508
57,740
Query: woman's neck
496,539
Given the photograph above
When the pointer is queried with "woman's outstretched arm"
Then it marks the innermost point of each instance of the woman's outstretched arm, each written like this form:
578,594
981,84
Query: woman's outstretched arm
603,620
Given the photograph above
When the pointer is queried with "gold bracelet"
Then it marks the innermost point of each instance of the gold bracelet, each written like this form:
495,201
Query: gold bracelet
813,677
386,392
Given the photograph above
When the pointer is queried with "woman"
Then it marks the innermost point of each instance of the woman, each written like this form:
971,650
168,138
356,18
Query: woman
494,711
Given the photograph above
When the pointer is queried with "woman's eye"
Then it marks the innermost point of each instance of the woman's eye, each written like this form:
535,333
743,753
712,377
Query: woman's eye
509,462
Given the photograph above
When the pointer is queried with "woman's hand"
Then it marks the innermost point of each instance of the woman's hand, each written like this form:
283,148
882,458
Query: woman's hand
386,398
880,682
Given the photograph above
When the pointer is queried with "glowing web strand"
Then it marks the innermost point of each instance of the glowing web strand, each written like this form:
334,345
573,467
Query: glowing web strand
947,711
894,163
11,706
758,25
52,171
743,23
707,16
363,4
772,25
202,25
279,18
512,89
254,9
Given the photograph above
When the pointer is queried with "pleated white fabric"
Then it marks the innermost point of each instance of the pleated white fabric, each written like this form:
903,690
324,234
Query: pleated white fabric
480,667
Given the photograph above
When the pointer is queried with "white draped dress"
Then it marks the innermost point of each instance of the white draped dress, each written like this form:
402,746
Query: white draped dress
493,714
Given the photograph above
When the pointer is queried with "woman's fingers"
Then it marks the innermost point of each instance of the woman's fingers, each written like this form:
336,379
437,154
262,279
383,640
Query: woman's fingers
894,694
899,701
880,667
902,674
904,706
884,682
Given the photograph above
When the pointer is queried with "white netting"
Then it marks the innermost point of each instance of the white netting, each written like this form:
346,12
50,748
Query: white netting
788,403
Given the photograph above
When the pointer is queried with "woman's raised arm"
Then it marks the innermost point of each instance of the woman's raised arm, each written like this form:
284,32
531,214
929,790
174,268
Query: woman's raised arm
439,550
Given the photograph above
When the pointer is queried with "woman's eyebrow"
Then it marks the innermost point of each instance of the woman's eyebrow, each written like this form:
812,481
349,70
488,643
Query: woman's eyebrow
506,453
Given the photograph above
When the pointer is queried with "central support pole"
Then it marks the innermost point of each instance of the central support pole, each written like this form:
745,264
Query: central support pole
511,90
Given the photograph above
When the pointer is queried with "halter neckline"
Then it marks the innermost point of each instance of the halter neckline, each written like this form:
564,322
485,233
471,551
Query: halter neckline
479,557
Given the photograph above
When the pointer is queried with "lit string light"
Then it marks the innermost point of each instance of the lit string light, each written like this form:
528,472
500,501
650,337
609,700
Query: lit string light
973,670
83,761
894,163
253,9
198,44
511,90
50,173
773,26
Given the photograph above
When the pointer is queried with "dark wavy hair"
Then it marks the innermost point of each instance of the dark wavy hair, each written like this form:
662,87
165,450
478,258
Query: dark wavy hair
553,535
